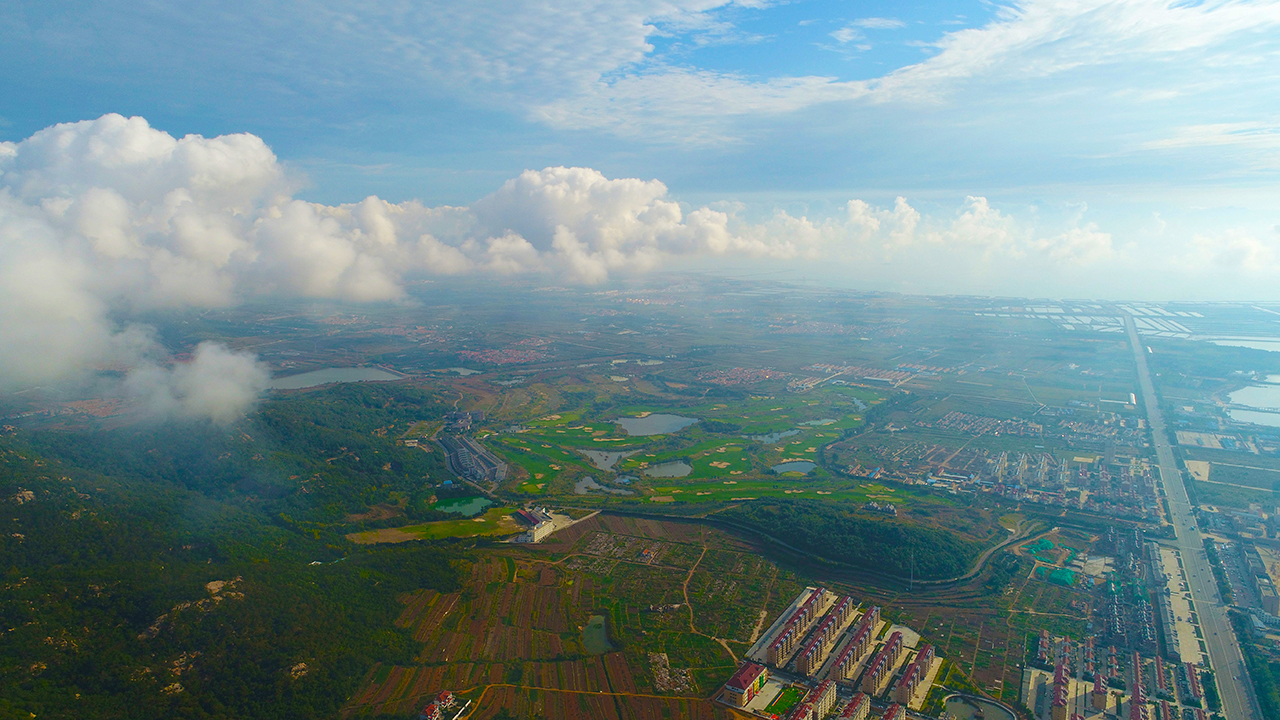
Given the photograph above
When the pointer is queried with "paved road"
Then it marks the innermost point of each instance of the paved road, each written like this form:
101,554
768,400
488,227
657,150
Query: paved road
1224,654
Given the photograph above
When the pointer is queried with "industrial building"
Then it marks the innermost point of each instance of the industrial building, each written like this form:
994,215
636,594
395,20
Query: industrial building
745,683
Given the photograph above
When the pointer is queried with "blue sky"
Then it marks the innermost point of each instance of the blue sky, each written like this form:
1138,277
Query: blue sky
1124,148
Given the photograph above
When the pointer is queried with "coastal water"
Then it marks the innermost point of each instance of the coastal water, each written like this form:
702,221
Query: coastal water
1266,398
1257,418
656,424
332,375
1271,344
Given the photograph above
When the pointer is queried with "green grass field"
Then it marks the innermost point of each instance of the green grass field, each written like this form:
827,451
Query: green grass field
787,699
496,521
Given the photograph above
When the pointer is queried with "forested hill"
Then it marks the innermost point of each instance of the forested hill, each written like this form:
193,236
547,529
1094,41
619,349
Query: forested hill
878,545
170,581
312,456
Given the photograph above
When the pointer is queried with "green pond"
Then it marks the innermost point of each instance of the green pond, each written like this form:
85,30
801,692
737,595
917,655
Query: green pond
464,506
595,636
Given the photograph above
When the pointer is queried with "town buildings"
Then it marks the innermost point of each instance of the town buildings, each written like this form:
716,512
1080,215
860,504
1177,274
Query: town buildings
745,683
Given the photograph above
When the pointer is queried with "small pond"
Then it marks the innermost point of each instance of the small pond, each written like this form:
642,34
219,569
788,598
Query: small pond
331,375
595,636
795,466
673,469
656,424
773,437
588,483
964,707
604,459
464,506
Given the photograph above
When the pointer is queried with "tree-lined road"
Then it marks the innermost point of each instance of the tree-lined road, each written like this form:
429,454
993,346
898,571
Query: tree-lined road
1234,685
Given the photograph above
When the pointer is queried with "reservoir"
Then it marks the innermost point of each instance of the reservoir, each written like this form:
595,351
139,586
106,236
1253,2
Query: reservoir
674,469
657,424
332,375
464,506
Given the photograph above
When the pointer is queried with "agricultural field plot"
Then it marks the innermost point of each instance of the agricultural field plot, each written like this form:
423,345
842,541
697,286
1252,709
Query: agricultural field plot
729,592
517,624
572,705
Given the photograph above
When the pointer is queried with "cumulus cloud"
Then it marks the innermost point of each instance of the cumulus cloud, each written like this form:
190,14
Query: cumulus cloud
218,384
1234,251
103,220
1078,246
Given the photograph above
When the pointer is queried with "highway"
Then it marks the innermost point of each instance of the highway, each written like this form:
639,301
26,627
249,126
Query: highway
1234,685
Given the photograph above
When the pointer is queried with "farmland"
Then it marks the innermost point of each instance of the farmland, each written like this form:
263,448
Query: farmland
513,634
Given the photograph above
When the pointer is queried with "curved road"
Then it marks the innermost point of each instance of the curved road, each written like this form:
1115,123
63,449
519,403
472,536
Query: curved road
1238,702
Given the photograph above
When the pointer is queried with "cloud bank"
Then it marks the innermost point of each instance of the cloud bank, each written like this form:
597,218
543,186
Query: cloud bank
103,220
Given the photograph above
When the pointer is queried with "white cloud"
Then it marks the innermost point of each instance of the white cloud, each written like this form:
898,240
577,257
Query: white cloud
879,23
847,35
1024,46
217,384
1251,135
981,226
1078,246
1234,251
103,220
